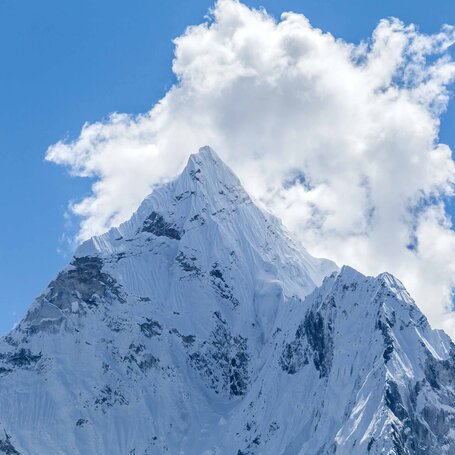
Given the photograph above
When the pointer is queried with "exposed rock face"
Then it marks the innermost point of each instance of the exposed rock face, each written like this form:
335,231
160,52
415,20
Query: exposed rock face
156,225
200,327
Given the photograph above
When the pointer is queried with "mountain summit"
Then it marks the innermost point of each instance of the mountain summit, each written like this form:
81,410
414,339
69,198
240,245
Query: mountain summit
199,327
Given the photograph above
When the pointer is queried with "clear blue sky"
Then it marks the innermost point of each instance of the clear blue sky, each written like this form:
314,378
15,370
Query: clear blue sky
67,62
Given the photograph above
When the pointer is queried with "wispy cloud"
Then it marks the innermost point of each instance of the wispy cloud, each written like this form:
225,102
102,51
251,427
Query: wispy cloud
340,140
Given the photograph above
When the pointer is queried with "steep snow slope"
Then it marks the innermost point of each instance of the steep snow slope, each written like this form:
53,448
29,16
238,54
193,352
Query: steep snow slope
365,374
200,327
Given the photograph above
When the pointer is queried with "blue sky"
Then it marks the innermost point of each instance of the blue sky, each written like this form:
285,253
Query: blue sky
67,63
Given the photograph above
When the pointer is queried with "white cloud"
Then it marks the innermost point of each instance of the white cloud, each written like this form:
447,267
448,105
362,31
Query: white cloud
341,141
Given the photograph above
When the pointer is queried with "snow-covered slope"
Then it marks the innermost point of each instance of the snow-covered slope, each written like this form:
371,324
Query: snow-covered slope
200,327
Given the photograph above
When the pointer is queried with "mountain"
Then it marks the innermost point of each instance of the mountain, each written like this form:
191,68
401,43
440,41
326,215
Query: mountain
200,327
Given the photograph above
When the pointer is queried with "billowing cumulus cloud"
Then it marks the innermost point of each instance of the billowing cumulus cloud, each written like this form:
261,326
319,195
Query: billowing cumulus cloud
339,140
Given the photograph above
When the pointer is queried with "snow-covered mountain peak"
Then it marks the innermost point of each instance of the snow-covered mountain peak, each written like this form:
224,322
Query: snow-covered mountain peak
208,178
389,298
207,168
200,327
210,183
205,214
206,190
